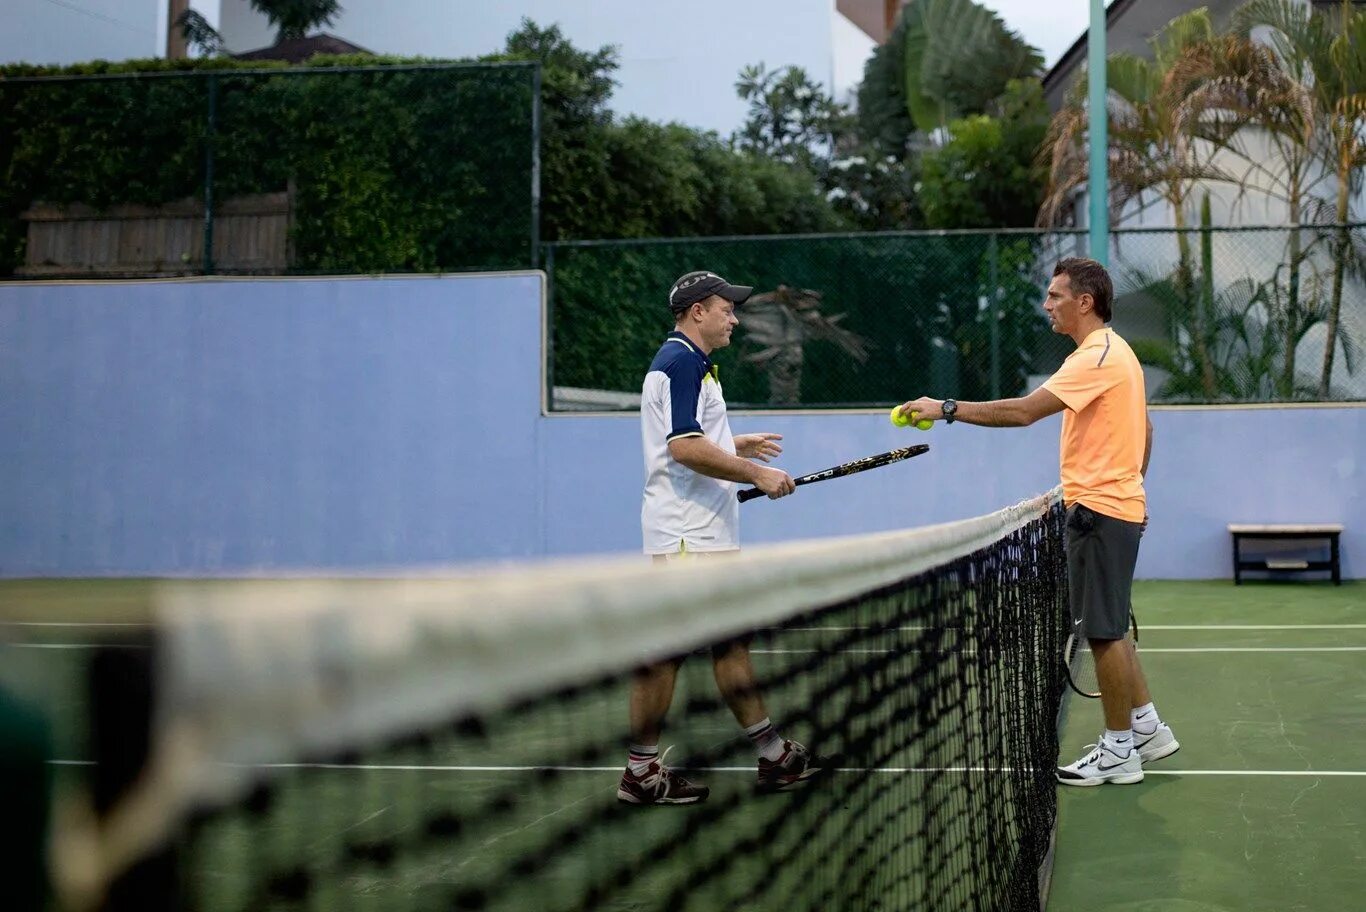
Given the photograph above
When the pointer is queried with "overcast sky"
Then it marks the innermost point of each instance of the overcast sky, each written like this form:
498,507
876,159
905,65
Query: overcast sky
64,31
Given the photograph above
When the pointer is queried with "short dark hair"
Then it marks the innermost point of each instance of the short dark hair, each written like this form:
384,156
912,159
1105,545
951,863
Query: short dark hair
1089,277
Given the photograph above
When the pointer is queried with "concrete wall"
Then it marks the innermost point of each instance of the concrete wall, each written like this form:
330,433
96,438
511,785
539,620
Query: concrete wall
1210,467
223,425
220,426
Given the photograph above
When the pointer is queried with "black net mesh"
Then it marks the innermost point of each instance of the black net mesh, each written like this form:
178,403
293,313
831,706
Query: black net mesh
931,700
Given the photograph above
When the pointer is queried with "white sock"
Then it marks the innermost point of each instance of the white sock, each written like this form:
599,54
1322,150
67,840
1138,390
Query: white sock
1144,719
640,758
1118,743
766,739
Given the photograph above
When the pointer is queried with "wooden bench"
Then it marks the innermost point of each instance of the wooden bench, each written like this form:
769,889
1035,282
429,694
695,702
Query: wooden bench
1309,532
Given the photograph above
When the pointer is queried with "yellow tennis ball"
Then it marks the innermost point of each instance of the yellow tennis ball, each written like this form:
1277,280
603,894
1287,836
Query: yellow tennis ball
924,425
899,419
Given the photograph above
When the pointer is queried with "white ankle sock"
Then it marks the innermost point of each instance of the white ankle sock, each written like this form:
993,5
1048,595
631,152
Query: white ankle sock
1119,743
1144,719
766,739
640,758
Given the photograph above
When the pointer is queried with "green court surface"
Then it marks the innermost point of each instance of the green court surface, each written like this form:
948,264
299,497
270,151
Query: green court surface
1264,806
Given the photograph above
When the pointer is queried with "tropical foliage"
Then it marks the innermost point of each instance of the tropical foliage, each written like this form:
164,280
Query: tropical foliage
1268,115
986,175
959,56
293,18
944,60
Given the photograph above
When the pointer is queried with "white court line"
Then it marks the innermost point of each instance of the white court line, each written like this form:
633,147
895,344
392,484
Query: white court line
1338,773
879,630
1143,650
806,629
907,770
72,624
1142,627
1253,627
838,651
899,770
1146,650
72,646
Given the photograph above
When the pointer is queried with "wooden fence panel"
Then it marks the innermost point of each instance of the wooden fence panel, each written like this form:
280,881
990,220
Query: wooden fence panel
251,235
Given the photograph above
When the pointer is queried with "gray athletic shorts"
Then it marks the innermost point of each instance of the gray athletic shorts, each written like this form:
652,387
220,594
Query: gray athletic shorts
1101,554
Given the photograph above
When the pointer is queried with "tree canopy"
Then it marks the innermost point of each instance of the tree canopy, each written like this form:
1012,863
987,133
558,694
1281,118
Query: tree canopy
293,18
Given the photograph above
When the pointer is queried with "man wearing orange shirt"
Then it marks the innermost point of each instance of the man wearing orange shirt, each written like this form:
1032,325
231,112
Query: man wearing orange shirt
1106,441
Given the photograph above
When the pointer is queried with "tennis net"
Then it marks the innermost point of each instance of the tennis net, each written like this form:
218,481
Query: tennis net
455,742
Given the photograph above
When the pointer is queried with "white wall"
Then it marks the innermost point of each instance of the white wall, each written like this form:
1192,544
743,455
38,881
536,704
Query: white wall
1252,195
244,29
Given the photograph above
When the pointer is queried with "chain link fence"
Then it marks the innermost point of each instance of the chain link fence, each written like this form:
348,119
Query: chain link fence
300,170
1217,315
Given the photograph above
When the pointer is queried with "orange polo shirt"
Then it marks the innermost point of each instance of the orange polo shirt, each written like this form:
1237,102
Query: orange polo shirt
1105,426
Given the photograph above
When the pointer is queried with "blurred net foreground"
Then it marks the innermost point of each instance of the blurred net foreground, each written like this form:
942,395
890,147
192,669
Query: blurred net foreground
455,743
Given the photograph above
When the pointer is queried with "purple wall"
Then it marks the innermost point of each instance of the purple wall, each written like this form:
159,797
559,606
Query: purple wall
209,427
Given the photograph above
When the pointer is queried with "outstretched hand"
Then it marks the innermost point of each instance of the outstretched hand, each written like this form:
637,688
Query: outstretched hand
763,447
923,409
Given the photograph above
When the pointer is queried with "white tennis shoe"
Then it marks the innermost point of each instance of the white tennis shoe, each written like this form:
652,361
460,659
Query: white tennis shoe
1156,744
1100,765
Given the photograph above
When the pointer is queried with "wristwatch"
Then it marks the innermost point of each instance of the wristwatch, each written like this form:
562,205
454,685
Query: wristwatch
950,409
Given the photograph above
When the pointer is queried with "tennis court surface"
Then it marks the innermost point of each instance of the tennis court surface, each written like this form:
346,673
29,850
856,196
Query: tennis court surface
456,743
1264,806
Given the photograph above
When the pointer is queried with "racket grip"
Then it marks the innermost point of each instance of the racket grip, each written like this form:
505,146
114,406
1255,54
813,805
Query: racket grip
748,494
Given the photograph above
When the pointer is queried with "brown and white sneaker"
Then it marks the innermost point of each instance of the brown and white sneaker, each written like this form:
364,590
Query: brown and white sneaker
790,771
659,785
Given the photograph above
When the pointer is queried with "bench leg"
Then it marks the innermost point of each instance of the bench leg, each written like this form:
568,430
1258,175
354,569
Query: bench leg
1237,573
1336,560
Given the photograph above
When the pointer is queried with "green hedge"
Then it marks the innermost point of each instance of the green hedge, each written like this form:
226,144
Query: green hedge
916,298
392,168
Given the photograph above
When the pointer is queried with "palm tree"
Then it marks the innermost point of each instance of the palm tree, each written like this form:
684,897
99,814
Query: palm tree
959,57
781,322
199,34
1324,54
293,18
1271,92
1158,152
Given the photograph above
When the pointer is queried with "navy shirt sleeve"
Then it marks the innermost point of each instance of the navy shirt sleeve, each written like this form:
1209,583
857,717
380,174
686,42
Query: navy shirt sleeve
685,386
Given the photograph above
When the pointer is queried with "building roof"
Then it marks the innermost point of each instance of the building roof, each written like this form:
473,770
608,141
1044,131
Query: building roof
1128,26
297,50
873,17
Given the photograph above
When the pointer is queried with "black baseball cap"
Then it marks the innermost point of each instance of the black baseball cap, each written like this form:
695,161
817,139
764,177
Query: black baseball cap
698,286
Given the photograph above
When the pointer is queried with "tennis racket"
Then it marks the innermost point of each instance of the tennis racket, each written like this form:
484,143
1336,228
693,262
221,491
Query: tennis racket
848,468
1080,664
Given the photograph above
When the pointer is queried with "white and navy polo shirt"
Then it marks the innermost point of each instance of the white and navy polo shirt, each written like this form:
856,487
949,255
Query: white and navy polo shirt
683,509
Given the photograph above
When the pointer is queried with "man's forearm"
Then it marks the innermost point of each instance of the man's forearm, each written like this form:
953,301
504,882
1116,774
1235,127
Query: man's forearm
998,413
706,458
